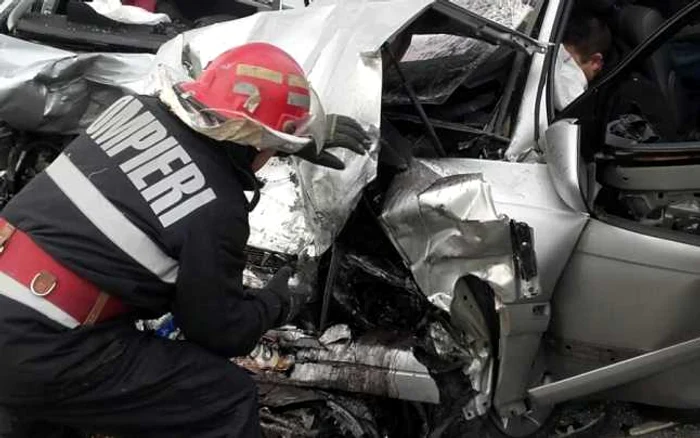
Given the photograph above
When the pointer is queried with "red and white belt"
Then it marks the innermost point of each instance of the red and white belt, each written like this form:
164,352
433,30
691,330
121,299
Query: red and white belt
32,277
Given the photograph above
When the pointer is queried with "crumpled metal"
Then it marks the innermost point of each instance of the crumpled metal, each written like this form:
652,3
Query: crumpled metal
447,228
51,90
336,333
336,361
280,221
338,47
368,369
337,44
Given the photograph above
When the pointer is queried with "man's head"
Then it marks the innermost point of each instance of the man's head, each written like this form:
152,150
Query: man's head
254,95
257,83
588,38
257,96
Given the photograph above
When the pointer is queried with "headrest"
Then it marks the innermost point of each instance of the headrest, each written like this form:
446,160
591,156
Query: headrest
637,23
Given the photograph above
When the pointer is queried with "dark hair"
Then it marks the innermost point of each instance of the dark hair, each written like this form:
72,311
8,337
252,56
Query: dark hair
589,34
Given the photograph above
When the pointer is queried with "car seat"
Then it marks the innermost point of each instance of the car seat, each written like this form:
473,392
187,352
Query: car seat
637,23
666,164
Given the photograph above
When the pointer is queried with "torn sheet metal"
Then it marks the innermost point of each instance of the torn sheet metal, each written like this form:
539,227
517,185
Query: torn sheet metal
299,412
336,333
51,90
367,369
446,228
279,223
337,45
471,353
338,362
293,337
525,193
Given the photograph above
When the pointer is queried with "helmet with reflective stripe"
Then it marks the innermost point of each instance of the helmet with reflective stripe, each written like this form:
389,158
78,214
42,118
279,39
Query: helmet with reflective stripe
255,81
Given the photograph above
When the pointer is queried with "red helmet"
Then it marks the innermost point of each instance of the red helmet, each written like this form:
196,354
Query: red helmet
256,81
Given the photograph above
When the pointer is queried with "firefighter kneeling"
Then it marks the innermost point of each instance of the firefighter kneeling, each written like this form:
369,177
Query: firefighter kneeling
145,214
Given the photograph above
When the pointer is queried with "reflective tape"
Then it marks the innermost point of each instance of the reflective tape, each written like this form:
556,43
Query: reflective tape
110,221
300,100
297,81
246,88
16,291
250,90
257,72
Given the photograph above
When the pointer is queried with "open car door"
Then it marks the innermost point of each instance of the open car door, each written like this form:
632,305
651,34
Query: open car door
628,295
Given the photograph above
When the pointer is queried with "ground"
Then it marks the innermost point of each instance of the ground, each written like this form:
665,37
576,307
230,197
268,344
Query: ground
624,420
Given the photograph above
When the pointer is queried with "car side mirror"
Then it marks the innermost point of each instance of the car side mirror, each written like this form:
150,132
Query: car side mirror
562,149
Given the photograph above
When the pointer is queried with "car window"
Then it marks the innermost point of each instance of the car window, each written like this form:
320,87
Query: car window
460,81
590,46
661,92
648,162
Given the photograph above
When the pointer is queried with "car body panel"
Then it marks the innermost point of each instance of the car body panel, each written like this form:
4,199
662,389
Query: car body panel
639,291
612,288
524,192
627,289
646,280
526,134
624,293
564,162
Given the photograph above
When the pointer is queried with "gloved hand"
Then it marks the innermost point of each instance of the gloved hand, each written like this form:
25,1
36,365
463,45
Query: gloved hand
293,299
341,132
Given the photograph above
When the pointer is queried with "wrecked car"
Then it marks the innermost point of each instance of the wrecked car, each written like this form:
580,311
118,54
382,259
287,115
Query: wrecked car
490,257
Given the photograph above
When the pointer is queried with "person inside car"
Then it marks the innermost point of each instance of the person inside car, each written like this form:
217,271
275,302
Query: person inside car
580,57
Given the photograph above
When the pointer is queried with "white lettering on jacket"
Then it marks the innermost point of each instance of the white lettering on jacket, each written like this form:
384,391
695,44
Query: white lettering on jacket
162,171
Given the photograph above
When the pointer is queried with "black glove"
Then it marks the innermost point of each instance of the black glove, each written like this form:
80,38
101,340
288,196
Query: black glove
292,299
341,132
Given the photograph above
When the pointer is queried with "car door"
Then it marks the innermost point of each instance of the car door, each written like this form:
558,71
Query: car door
631,285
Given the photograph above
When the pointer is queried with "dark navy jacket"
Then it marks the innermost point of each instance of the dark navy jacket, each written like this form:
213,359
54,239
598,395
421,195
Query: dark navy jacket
155,214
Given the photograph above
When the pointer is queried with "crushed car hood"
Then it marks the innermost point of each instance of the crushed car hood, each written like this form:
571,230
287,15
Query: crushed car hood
338,45
47,89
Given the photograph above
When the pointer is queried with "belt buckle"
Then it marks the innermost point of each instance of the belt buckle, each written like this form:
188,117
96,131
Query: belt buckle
43,284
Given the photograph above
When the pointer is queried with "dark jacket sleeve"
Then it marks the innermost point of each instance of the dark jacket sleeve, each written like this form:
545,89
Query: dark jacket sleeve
211,306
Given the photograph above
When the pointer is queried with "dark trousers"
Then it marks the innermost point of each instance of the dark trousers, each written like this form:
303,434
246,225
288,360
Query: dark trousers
112,379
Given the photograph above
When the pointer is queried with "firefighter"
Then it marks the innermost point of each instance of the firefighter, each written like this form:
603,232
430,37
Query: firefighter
143,214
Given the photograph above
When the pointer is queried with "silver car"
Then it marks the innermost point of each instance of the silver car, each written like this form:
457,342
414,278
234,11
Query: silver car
491,257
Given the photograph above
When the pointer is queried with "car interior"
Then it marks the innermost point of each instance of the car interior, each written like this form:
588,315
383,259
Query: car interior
449,94
644,157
